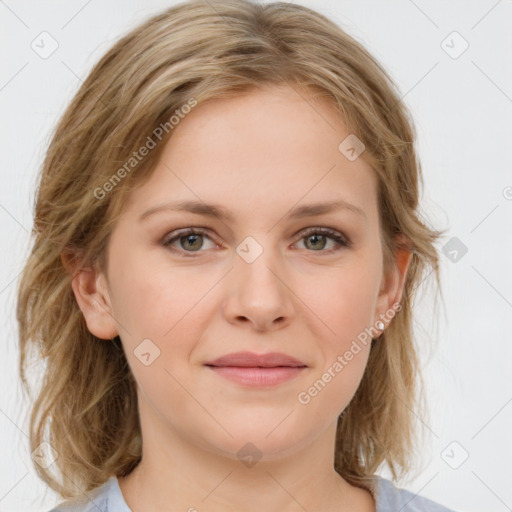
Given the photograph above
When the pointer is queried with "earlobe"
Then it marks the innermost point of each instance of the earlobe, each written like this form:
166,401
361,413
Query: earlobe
91,294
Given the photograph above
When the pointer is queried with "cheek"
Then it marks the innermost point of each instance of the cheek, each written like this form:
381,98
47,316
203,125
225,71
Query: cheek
159,313
153,300
162,313
344,299
331,388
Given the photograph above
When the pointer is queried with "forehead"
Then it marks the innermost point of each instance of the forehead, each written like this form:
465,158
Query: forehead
266,150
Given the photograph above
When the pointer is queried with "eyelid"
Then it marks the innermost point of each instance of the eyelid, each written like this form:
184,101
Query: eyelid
175,235
327,231
342,240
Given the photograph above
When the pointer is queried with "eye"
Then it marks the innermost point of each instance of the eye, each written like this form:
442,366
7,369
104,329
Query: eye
191,241
316,239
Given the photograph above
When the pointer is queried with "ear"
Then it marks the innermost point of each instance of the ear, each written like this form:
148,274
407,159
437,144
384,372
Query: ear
393,283
91,293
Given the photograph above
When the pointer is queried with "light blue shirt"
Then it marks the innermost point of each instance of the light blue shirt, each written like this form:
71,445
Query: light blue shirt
388,498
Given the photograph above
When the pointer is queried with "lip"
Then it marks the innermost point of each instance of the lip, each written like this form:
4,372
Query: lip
253,360
259,370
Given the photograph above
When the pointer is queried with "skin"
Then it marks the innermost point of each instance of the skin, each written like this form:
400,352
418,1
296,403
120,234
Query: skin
258,155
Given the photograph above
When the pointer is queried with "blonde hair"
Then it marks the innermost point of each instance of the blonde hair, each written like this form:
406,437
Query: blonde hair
86,404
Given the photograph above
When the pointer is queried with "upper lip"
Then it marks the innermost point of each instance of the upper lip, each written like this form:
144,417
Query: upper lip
251,359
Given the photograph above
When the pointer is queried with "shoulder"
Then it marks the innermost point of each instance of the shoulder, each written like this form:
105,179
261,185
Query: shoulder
390,498
105,498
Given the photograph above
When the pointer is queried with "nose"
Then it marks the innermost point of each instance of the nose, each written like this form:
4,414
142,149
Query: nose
259,292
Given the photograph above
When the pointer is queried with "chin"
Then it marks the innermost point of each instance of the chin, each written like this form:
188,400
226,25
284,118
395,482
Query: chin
250,443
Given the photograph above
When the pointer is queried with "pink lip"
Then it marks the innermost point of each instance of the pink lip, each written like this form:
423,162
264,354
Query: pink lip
250,359
257,369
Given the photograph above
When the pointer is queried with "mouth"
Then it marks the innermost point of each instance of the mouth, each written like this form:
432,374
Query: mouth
258,370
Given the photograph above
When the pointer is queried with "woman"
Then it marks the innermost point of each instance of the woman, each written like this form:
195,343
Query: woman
227,245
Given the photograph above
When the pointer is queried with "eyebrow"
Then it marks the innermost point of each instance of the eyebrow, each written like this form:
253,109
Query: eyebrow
219,212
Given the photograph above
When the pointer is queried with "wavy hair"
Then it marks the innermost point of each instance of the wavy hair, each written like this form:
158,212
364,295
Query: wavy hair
85,404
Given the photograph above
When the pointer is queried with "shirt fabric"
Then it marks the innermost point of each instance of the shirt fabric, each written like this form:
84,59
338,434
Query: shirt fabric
388,498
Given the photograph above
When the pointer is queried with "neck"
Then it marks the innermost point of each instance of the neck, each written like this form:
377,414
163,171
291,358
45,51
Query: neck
176,473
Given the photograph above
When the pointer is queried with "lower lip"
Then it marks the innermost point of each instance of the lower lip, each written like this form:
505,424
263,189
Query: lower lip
256,376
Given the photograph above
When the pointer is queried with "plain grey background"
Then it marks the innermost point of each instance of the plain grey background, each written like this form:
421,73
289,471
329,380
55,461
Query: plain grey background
452,62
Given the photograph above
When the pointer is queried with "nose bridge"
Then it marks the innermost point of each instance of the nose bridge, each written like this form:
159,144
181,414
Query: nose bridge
258,292
258,260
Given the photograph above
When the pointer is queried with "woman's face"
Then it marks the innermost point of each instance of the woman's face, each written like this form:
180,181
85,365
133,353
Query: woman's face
259,279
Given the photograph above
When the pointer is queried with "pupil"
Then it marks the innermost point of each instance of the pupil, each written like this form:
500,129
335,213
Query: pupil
191,237
316,237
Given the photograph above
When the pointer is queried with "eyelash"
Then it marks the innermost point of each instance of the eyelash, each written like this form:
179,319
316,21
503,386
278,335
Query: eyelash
342,241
